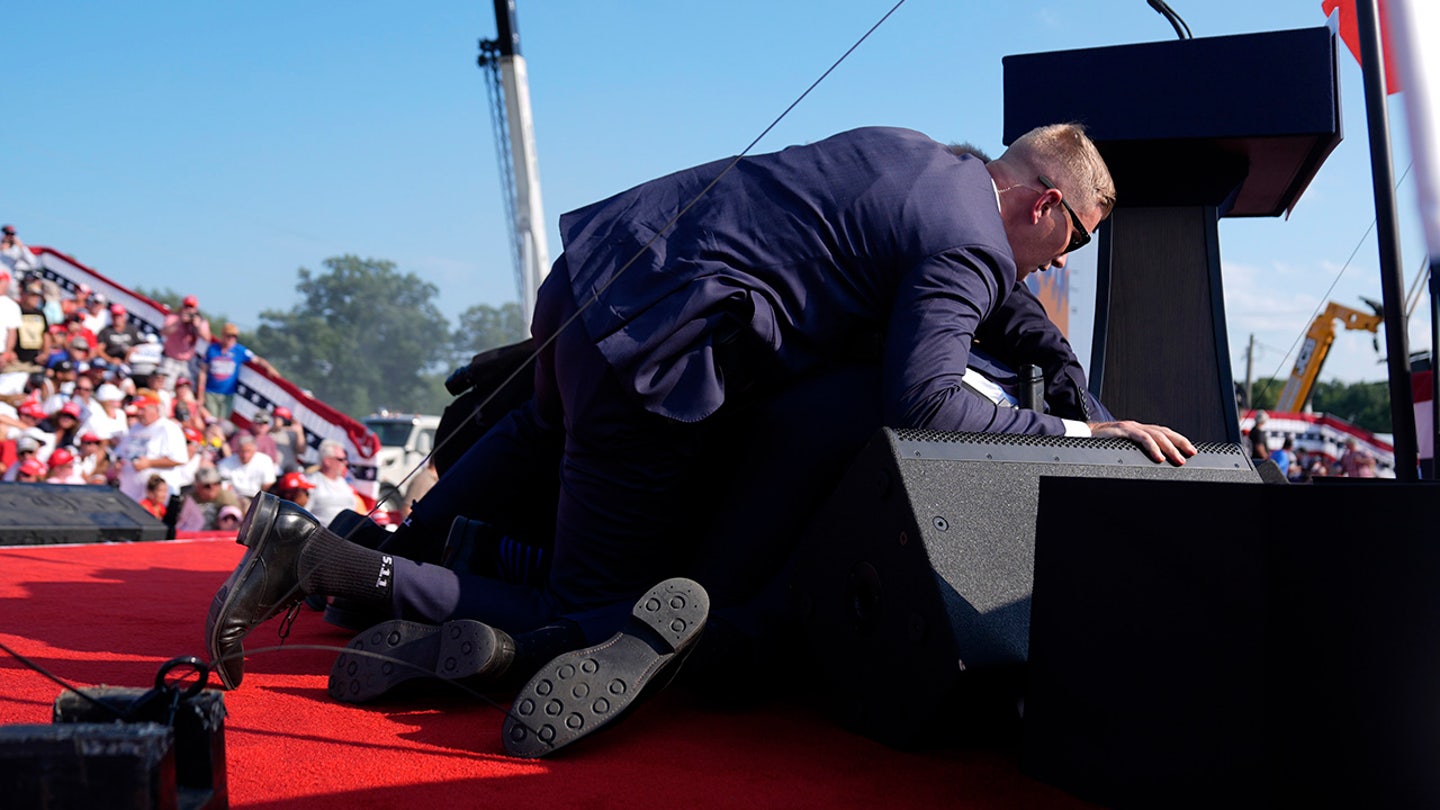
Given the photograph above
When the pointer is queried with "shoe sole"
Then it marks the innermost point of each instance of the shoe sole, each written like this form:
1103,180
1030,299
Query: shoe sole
397,651
258,520
581,692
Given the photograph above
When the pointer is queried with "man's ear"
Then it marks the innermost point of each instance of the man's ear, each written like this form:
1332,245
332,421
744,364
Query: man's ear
1043,203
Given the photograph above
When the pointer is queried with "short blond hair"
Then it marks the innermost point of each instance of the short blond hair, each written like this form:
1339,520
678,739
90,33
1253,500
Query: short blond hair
1065,154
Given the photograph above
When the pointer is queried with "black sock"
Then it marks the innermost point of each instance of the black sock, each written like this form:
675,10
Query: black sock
333,566
521,563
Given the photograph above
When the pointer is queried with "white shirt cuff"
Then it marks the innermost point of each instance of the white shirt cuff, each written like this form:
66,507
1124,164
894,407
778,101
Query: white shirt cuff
1073,428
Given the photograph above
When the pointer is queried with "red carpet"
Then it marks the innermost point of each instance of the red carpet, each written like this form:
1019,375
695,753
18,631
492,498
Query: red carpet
111,614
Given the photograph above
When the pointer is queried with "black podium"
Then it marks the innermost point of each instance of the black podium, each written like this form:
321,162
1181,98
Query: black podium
1193,130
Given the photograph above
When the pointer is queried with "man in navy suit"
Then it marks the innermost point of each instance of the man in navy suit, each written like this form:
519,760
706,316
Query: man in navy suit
714,347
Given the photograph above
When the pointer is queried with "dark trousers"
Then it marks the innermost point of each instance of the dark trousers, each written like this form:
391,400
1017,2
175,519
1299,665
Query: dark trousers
640,497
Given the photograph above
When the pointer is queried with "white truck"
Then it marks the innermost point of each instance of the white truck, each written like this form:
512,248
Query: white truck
405,440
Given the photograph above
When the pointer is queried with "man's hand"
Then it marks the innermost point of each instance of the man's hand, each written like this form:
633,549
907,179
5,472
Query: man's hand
1159,442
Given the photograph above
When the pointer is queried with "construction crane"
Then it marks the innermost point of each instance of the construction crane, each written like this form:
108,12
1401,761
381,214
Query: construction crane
509,91
1317,345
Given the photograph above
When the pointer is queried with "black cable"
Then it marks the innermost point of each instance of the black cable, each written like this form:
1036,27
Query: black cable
1325,297
53,677
205,667
595,297
1181,29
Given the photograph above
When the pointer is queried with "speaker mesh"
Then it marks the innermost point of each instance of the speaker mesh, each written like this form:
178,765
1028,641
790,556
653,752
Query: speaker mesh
43,514
921,565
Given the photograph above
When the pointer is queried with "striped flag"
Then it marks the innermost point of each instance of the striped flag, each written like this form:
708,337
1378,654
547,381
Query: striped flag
257,391
147,315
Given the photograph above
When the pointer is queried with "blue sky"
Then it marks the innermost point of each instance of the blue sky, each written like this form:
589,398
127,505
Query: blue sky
215,148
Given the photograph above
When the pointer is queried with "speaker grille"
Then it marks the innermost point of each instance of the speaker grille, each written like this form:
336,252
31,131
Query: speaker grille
43,514
1013,447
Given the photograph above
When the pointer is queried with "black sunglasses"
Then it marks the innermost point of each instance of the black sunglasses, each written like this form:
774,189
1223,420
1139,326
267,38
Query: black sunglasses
1080,237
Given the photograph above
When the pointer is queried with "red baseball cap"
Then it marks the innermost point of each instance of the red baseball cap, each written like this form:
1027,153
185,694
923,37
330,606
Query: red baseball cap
294,480
71,408
32,466
283,413
117,309
61,457
142,401
90,438
192,301
32,408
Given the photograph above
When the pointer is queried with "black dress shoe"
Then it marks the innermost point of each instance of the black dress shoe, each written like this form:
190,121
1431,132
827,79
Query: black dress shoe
262,586
580,692
397,651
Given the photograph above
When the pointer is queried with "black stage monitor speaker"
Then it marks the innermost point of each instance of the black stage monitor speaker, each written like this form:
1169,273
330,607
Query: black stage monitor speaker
916,576
1237,646
44,514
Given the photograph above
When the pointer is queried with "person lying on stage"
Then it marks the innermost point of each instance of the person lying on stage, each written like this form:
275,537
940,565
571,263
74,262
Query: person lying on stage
705,372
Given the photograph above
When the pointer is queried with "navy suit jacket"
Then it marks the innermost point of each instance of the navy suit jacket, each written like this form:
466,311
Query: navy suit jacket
1020,333
800,258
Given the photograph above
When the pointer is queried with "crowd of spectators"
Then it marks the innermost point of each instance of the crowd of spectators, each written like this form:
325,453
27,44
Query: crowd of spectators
86,397
1300,467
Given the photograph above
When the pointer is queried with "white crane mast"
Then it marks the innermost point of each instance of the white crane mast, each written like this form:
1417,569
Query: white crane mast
515,140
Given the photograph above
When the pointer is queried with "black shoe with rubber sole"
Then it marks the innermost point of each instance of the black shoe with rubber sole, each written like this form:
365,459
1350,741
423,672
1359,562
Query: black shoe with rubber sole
581,692
397,651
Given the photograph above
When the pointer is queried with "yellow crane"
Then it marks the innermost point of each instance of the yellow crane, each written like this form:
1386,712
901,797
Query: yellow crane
1317,345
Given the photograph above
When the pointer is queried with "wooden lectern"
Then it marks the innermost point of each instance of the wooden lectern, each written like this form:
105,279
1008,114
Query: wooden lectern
1193,130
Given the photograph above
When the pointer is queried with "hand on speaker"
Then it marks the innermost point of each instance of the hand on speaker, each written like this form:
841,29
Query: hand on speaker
1159,442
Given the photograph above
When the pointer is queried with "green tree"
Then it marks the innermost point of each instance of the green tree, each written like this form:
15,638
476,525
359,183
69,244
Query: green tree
485,327
363,337
1266,391
1366,404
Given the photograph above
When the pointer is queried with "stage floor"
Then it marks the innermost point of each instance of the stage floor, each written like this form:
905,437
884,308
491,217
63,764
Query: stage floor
113,613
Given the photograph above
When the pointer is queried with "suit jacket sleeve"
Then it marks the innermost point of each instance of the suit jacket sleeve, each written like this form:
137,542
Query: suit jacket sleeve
939,306
1020,333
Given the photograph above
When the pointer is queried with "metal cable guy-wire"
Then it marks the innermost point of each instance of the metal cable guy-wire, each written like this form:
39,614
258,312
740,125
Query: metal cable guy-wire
584,305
